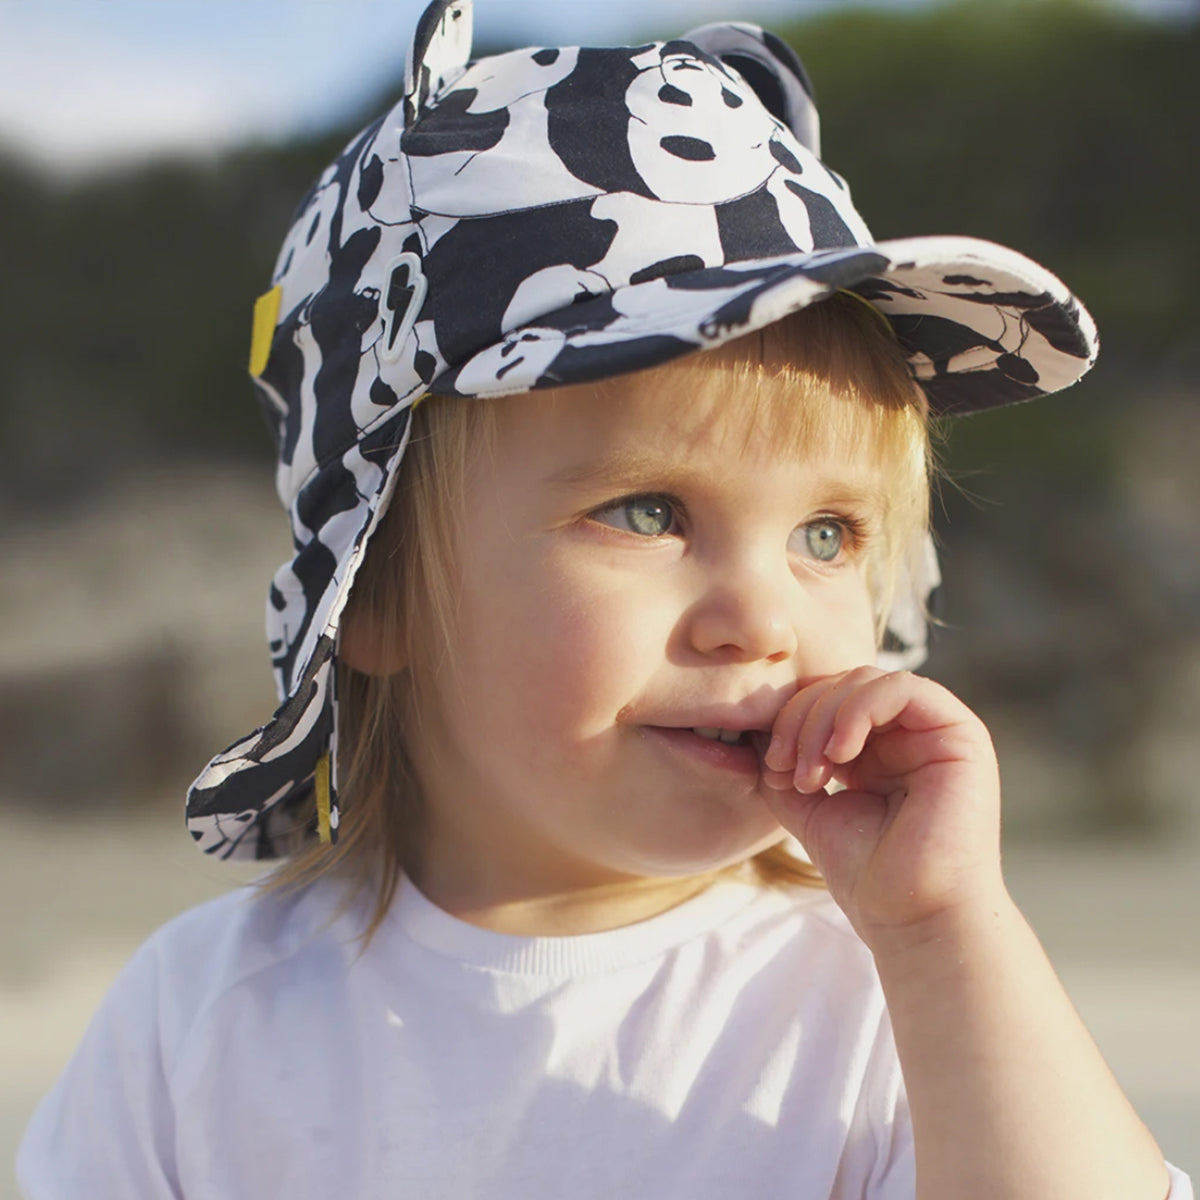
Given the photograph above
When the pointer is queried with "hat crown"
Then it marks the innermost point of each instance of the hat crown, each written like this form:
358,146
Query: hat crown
524,184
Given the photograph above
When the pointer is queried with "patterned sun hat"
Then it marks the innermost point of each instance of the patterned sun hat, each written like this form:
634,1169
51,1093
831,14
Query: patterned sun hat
552,216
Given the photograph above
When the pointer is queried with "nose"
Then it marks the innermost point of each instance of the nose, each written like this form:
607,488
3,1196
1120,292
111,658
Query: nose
746,614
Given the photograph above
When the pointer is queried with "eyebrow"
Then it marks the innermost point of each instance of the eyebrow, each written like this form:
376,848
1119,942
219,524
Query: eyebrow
625,468
632,470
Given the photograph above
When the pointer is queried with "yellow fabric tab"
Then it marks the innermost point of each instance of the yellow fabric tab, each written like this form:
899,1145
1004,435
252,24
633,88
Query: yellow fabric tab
321,782
266,315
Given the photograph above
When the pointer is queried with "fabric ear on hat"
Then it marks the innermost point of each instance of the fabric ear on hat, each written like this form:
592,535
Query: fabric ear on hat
440,50
771,67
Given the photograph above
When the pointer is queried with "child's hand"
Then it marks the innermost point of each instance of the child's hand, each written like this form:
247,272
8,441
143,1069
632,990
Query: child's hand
1009,1095
915,834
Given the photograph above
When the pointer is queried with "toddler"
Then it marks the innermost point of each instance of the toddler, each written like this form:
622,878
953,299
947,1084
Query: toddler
621,854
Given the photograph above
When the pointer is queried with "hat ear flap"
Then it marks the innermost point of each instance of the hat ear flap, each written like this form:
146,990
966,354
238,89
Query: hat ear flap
771,67
440,50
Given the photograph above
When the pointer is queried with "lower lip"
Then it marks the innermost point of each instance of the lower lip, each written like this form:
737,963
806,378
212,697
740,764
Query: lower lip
740,756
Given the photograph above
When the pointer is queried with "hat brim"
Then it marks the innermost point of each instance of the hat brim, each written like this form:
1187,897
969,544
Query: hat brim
980,324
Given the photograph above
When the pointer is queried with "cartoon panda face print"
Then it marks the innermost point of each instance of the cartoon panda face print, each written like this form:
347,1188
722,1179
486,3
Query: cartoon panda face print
528,352
696,162
528,302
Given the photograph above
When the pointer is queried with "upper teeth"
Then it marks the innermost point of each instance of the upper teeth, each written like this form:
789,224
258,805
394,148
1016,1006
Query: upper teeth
719,735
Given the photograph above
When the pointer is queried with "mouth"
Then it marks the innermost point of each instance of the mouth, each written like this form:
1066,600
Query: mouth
739,750
759,739
730,737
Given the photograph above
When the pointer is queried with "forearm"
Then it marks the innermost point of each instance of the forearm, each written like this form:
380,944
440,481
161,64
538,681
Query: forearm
1010,1096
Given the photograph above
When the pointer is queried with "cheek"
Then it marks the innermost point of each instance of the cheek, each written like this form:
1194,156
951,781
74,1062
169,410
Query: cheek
553,649
848,626
592,656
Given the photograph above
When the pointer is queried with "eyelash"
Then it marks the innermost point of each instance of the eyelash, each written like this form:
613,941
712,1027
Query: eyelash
854,530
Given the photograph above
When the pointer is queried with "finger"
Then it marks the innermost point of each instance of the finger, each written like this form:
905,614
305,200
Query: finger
778,781
814,768
897,699
780,755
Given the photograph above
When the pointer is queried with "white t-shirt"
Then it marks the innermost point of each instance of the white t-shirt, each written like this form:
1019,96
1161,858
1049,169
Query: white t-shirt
735,1046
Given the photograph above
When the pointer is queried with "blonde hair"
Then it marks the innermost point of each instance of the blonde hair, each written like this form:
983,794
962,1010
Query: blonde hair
842,373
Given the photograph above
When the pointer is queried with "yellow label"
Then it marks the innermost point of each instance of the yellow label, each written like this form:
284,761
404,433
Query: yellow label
266,314
321,782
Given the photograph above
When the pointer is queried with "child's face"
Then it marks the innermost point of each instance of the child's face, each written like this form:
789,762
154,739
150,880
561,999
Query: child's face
635,565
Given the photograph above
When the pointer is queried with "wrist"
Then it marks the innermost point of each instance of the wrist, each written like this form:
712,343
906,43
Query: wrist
952,935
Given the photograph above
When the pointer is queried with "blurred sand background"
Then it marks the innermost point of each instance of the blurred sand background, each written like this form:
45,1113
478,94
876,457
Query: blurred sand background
139,527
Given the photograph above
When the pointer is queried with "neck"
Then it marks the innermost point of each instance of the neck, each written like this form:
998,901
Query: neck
565,912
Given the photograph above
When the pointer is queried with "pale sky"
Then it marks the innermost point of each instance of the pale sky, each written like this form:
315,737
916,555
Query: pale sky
88,83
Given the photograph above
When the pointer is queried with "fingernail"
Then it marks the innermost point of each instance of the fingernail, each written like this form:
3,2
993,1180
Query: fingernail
772,751
812,778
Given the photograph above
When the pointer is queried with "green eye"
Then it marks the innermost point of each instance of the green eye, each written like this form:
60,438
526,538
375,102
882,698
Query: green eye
649,516
823,539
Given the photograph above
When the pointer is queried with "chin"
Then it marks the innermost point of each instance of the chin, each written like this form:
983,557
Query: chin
717,855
